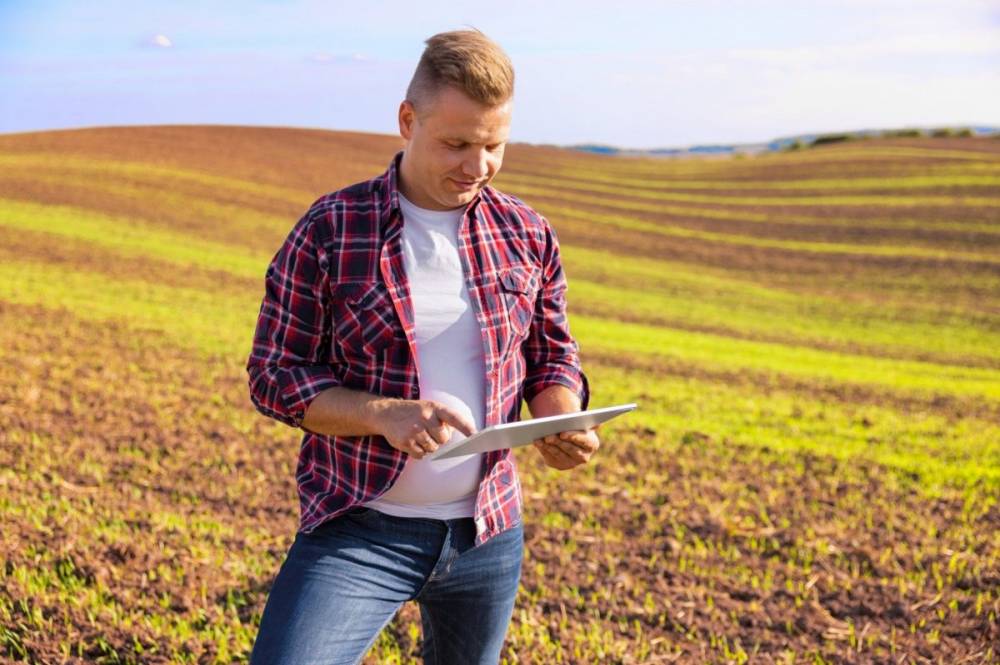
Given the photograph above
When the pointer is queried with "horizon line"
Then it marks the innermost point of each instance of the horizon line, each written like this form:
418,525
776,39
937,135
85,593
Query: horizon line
582,145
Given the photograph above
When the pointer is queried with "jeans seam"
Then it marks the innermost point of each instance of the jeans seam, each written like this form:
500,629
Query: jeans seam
371,642
437,644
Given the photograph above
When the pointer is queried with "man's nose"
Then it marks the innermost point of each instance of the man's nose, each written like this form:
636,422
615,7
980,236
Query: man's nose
477,166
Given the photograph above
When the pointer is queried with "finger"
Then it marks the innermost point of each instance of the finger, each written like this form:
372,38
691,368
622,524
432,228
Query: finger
541,445
440,433
426,443
573,451
553,455
565,449
459,421
546,449
576,441
583,440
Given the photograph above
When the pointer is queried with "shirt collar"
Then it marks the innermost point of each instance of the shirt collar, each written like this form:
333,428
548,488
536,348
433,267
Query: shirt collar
390,191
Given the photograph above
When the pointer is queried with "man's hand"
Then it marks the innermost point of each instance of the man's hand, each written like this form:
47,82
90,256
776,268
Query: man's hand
419,426
568,449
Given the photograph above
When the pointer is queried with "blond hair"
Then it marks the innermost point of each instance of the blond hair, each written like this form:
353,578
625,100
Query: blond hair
466,59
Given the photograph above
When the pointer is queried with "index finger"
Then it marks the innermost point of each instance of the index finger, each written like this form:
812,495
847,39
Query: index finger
460,422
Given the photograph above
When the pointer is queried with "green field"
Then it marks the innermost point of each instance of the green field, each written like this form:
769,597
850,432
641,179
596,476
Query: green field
812,339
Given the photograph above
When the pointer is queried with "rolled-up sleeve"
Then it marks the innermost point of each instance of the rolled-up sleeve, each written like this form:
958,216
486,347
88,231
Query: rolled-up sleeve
550,351
289,364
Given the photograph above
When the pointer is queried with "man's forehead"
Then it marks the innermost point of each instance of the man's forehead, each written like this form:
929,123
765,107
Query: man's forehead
473,137
491,130
455,118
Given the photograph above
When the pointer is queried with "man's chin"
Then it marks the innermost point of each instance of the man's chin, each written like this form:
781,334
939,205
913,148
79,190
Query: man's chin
462,198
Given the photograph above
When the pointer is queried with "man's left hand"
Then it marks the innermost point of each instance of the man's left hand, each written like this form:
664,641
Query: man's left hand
568,449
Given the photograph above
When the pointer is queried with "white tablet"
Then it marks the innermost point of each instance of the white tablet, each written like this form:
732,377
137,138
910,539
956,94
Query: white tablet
523,432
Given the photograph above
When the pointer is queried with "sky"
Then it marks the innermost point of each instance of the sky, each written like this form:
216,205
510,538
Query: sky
631,74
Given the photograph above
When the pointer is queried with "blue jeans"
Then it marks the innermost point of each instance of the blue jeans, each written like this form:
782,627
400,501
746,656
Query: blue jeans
340,585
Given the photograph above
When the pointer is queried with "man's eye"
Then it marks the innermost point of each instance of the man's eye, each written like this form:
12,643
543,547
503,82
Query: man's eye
455,147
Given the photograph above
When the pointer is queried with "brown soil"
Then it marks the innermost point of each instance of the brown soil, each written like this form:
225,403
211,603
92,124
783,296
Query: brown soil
778,338
76,255
950,406
687,541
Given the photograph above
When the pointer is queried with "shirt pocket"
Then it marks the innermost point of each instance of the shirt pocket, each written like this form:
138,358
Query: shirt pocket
518,291
364,319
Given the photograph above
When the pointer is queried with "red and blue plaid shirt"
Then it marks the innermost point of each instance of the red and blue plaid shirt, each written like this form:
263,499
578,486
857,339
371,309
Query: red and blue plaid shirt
337,311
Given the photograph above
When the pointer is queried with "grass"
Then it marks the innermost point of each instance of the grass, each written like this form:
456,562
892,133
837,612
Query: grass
813,474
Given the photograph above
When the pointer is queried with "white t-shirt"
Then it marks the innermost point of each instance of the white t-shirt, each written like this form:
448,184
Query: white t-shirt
452,367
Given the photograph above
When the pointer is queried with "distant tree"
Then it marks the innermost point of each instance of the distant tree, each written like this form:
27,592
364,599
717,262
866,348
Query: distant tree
903,133
832,138
797,144
942,132
965,132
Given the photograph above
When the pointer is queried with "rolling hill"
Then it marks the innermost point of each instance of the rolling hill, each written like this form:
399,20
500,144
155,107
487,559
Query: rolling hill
812,338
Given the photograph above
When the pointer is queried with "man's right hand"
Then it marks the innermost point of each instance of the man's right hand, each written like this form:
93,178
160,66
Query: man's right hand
419,426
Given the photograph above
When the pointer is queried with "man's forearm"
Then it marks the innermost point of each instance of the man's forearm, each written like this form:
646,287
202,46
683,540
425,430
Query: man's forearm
553,401
345,412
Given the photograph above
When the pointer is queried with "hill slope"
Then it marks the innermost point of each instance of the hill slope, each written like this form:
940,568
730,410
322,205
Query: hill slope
811,338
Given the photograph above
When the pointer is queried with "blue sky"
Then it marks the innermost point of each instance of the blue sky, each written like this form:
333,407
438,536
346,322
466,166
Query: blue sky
633,74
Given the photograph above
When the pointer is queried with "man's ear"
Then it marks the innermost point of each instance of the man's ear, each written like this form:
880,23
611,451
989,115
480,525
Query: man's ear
407,115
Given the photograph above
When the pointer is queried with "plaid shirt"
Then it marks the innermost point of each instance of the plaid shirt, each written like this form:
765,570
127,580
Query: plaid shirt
337,311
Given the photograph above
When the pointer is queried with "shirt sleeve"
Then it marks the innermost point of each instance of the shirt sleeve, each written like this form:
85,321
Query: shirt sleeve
289,364
551,352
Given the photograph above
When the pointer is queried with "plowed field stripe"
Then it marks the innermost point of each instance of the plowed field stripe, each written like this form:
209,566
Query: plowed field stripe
560,188
570,215
719,352
133,238
153,173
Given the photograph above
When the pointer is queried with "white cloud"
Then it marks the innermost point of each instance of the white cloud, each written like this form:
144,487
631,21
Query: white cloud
325,57
156,41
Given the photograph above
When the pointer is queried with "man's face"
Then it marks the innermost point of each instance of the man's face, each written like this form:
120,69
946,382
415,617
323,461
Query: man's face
453,151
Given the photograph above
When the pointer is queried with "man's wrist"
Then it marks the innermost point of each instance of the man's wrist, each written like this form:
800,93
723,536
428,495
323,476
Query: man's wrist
553,401
372,411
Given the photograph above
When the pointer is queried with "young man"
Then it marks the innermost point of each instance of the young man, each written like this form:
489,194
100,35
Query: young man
402,311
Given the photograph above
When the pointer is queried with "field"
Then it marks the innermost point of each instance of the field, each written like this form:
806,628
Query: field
812,338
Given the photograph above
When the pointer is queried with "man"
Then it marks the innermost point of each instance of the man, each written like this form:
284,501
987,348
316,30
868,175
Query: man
399,313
